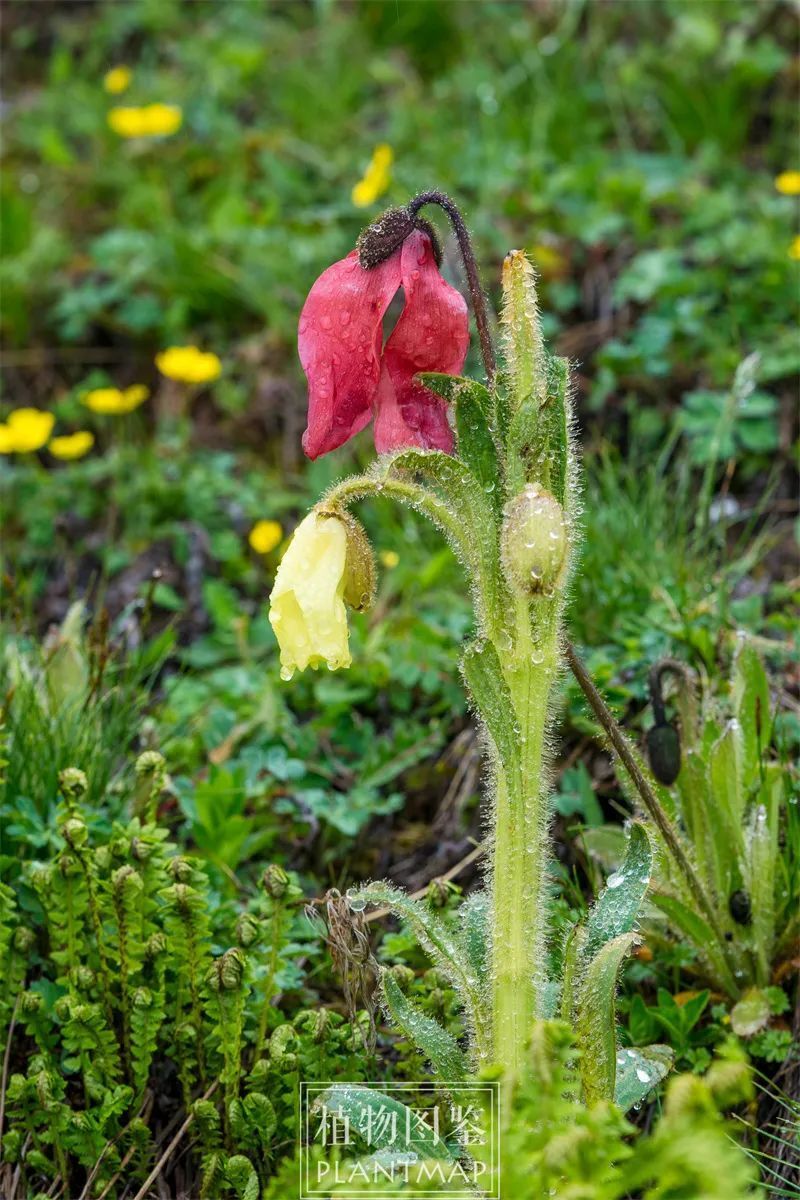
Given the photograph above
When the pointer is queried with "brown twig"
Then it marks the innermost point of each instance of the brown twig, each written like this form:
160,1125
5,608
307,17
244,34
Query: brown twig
6,1061
156,1171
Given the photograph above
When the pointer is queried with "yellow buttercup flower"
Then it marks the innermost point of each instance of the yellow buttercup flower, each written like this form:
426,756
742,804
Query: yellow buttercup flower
389,558
307,610
794,248
788,183
113,401
71,445
153,120
187,364
117,80
26,429
376,178
265,536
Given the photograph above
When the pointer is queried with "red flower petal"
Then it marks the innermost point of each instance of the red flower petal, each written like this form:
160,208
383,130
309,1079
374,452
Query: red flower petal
432,334
339,342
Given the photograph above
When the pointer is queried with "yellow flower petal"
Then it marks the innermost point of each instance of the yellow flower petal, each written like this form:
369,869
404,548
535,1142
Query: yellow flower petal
29,429
71,445
265,536
6,440
307,609
117,80
187,364
112,401
788,183
794,248
153,120
389,558
382,156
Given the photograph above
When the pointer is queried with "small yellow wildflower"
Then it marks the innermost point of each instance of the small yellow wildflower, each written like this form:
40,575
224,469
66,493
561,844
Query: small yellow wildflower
26,429
117,80
113,401
153,120
788,183
187,364
389,558
376,177
794,247
307,610
71,445
265,536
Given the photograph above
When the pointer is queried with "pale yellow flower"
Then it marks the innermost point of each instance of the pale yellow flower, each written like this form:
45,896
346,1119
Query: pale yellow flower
117,80
265,536
71,445
152,120
788,183
389,558
26,429
187,364
794,247
376,178
307,610
113,401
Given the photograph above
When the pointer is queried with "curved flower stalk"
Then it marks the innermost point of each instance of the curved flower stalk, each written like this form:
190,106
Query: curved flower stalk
493,467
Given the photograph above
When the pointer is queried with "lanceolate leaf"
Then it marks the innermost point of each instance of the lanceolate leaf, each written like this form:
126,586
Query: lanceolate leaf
596,1023
700,933
440,944
367,1110
472,406
474,915
618,907
474,528
483,676
438,1046
639,1070
753,709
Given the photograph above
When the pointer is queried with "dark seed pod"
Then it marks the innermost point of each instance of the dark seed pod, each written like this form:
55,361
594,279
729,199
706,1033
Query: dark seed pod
380,240
664,752
740,908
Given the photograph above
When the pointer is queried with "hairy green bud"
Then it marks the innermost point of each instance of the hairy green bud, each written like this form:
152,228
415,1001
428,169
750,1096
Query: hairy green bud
30,1003
181,870
275,881
24,939
402,975
534,542
74,832
126,879
227,972
247,930
73,783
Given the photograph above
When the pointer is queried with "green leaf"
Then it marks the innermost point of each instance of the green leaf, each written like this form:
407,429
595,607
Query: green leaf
596,1020
472,526
367,1110
483,676
751,703
751,1013
438,1046
639,1071
472,404
618,906
699,932
474,915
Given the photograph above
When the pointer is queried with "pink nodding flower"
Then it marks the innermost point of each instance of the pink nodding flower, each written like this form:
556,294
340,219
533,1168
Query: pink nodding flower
352,376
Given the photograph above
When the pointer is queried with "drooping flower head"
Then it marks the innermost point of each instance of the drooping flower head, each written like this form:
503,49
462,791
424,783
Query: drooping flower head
352,376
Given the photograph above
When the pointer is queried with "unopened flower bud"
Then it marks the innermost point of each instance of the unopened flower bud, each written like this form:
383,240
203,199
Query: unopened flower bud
126,880
23,939
534,542
181,870
664,753
30,1003
82,977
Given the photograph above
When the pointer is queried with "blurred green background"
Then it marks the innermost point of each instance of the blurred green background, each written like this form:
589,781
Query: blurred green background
644,154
